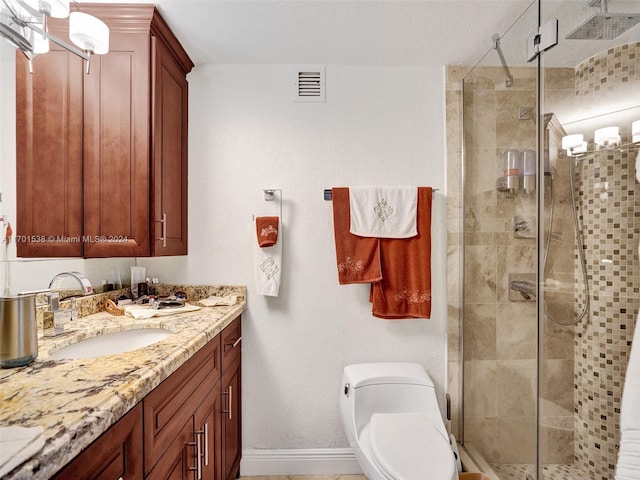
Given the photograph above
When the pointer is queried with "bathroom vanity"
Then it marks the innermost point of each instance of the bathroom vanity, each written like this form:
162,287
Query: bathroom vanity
172,408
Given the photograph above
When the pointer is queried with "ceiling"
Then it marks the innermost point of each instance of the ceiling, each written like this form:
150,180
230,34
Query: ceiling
378,32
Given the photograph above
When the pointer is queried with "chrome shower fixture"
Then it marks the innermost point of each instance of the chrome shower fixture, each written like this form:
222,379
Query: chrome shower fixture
527,289
604,25
496,46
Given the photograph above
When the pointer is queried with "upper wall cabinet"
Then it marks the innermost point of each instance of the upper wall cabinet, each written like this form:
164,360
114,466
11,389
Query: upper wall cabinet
102,157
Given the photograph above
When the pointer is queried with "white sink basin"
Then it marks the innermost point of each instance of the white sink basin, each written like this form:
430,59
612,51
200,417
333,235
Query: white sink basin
112,343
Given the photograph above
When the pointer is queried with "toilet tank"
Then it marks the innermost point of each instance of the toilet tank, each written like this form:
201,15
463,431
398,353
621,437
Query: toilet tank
386,388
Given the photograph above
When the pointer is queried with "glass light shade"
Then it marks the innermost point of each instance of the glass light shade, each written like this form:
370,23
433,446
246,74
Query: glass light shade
582,148
52,8
89,33
635,131
572,141
607,136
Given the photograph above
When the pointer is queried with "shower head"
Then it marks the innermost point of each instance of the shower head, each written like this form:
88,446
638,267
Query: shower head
604,25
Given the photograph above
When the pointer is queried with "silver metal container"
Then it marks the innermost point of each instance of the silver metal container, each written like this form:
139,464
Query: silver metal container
18,331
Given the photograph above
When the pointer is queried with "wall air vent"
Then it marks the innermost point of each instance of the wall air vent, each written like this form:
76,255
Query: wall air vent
310,84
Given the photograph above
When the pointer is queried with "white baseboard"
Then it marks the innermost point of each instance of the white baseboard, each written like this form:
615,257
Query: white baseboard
312,461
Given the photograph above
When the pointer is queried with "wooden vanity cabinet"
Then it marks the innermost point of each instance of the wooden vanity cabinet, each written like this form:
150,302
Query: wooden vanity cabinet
190,424
115,454
231,400
175,413
102,158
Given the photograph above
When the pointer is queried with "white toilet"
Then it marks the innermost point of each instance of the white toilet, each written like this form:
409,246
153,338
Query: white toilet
391,418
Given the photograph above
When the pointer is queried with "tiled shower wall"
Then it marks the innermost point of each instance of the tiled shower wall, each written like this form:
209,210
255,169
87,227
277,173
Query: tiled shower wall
498,355
610,207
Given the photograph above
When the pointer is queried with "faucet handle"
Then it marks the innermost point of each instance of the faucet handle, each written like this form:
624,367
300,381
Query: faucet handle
54,300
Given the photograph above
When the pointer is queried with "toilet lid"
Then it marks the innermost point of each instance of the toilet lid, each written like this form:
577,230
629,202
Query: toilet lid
408,446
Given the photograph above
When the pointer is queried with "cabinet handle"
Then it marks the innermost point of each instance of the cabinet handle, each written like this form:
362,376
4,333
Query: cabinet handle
164,229
198,466
205,433
230,393
199,454
206,444
233,343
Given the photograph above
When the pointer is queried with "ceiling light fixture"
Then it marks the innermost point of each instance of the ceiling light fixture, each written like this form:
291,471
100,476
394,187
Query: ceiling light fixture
24,23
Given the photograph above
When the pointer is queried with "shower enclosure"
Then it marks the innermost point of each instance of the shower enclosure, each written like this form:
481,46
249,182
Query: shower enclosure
543,232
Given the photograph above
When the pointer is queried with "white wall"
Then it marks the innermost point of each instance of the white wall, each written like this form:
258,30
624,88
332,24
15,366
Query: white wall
379,125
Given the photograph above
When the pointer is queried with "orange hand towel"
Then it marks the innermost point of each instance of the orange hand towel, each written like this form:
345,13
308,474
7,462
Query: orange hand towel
358,258
405,289
267,231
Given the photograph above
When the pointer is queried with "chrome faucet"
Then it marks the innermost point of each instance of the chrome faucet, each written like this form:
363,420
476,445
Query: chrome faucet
526,289
55,317
53,322
85,285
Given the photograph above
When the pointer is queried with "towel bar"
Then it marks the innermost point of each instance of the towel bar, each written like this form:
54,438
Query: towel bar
328,195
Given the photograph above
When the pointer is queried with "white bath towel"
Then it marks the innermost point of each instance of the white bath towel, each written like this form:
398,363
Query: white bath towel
17,445
268,266
383,212
628,467
214,301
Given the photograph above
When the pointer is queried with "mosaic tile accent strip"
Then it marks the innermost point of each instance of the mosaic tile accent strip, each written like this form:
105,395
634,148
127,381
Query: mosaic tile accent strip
549,472
608,70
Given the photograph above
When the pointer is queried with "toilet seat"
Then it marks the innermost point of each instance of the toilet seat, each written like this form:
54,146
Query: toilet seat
409,446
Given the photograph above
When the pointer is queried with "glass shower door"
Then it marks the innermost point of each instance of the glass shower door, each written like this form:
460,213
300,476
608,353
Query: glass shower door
500,256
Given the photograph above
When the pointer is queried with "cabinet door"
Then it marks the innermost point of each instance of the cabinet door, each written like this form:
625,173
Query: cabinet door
231,426
169,153
49,154
179,459
116,454
116,149
207,421
172,402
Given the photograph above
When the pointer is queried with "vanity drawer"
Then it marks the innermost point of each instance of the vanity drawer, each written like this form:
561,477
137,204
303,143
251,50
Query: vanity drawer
231,343
169,407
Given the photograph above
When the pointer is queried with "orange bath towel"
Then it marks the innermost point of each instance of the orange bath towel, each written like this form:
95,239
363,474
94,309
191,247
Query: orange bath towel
358,258
267,231
405,288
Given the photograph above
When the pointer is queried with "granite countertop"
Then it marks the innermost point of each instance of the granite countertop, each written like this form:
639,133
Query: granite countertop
75,401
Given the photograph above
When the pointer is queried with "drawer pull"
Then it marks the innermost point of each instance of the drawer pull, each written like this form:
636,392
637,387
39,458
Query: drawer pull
164,229
206,444
199,455
198,466
233,343
230,393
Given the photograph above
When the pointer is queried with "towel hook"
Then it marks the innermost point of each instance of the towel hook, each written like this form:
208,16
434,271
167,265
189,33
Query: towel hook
269,196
